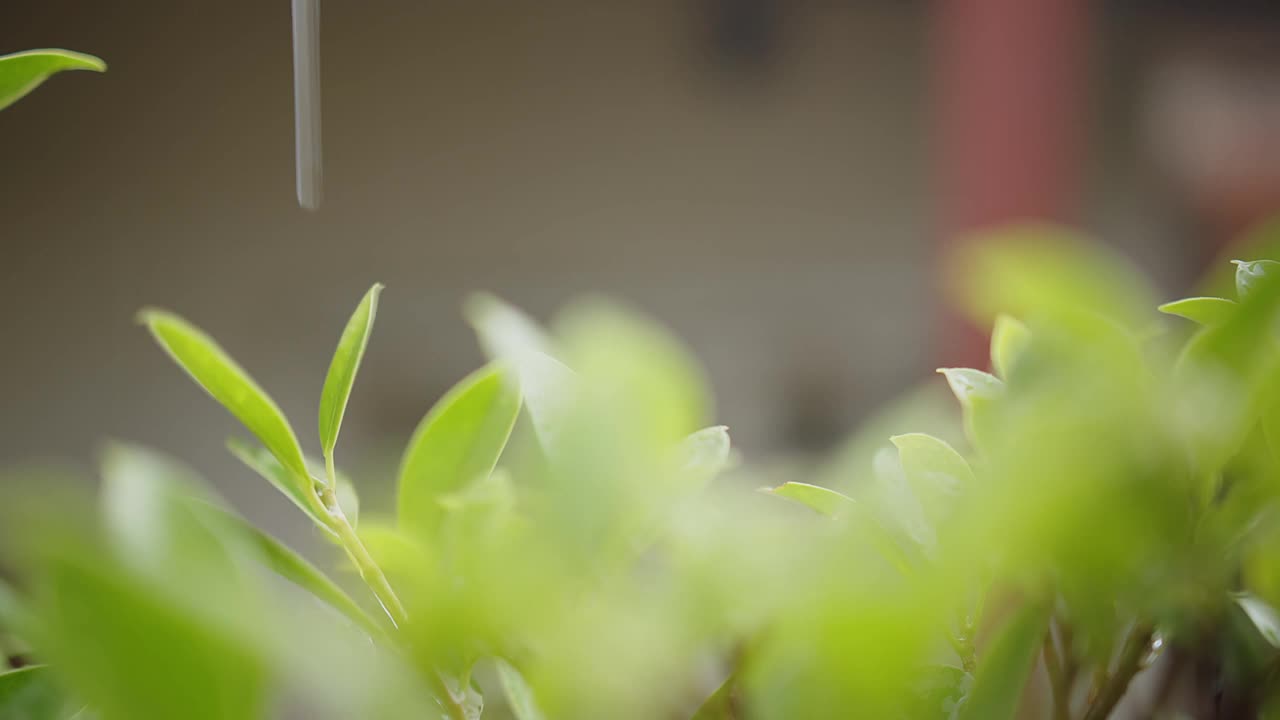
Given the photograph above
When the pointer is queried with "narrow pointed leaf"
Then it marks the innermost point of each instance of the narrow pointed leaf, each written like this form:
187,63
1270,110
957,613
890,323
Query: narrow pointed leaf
458,441
343,369
820,499
1005,666
519,694
1201,310
229,384
264,463
22,72
1009,337
290,565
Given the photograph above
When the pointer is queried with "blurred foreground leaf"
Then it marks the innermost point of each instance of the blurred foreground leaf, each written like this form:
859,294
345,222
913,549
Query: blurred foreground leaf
32,693
1004,666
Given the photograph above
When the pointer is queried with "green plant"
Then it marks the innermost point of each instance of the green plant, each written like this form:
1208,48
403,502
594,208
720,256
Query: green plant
1107,501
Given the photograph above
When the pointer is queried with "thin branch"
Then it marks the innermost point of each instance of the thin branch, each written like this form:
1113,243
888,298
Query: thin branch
1057,679
1127,665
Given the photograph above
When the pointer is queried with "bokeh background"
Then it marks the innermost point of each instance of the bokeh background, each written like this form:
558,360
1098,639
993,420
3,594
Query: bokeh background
775,180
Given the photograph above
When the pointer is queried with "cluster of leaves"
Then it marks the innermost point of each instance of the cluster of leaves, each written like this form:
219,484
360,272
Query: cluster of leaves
1109,503
1113,494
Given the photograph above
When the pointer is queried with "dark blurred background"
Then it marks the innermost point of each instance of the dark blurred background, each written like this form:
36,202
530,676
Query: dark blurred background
774,180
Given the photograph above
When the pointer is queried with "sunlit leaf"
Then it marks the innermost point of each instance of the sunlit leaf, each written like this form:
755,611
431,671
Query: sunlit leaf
291,566
1009,337
720,704
262,462
133,655
933,469
519,694
230,385
510,336
1264,617
343,369
458,441
22,72
147,509
32,693
1249,273
1044,271
928,461
705,454
898,504
978,393
1004,666
823,500
1201,310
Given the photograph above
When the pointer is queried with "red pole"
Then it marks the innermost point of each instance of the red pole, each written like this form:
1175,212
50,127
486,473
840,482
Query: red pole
1009,92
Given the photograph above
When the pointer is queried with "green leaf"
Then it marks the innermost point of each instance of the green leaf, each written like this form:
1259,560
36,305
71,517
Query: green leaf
720,704
820,499
978,393
1202,310
893,500
705,453
1005,665
1009,337
940,690
259,460
1263,616
546,384
972,386
933,469
14,615
343,368
519,694
289,565
1035,271
146,508
230,385
133,654
458,441
22,72
1249,273
31,693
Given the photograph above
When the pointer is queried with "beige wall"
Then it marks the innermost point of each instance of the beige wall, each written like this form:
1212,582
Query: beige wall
779,221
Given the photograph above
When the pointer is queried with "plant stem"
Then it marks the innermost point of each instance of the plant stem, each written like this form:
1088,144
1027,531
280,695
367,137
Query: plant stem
364,562
1127,665
330,472
1057,679
373,576
1070,666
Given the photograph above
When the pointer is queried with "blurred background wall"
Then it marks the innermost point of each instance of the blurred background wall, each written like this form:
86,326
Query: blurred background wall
771,179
